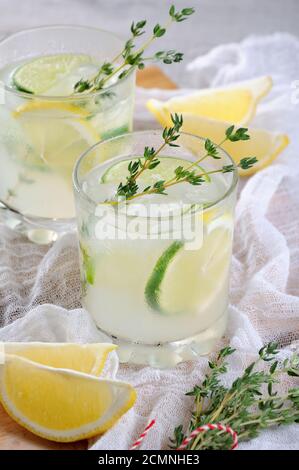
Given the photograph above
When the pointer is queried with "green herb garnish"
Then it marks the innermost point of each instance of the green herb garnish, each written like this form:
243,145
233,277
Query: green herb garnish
129,189
248,406
132,57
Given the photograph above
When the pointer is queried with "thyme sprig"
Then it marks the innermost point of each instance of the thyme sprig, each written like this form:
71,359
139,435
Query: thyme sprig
245,406
129,189
131,57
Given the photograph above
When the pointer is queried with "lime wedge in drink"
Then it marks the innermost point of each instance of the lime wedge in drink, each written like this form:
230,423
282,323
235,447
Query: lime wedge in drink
153,286
166,290
164,171
183,279
40,75
88,266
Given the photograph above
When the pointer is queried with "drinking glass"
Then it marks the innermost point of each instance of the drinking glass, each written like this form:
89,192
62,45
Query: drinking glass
41,137
155,270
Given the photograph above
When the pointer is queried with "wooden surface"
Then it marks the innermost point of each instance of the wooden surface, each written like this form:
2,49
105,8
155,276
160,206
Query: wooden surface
13,436
153,77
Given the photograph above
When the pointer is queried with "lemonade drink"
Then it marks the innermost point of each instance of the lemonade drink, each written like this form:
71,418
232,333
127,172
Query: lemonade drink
159,290
43,128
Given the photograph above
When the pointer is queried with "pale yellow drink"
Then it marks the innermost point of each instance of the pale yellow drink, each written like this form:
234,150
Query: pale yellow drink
44,127
162,298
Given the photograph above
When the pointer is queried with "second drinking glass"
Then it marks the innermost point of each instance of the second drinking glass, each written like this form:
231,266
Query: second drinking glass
43,128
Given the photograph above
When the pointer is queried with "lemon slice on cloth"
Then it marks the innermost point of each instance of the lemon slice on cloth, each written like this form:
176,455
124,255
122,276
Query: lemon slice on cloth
236,103
56,134
86,358
61,404
263,144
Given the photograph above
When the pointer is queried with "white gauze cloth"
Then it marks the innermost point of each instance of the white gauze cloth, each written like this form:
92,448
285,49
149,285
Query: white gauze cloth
265,267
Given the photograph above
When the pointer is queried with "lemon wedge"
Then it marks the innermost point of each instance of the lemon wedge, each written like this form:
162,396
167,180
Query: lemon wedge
57,134
263,144
86,358
60,404
235,103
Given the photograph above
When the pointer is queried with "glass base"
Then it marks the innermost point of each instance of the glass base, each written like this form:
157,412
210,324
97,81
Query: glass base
170,354
37,229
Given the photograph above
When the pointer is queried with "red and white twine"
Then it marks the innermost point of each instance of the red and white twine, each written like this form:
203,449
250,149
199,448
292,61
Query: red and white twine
210,427
143,435
195,433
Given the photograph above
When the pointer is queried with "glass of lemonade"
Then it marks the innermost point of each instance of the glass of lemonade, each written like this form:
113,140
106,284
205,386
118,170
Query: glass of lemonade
155,270
44,127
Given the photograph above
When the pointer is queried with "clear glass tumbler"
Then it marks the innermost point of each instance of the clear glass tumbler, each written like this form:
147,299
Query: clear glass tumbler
155,270
41,137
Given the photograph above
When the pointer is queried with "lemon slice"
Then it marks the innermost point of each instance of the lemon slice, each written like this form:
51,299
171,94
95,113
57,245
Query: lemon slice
57,134
87,358
236,103
39,75
263,145
60,404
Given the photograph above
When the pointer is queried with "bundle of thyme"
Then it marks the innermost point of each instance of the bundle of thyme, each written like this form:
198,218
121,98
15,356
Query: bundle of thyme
129,189
131,57
248,406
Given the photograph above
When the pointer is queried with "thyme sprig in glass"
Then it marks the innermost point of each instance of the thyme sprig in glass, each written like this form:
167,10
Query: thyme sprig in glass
248,406
129,189
131,57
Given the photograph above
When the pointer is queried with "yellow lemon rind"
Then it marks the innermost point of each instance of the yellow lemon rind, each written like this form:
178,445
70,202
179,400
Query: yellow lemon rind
163,117
33,106
161,109
261,164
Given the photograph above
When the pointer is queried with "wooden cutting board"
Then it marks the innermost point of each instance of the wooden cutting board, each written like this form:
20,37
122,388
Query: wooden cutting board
13,436
153,77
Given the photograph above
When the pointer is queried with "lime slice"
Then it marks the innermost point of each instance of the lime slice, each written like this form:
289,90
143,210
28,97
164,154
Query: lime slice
88,266
39,75
115,132
186,280
153,286
164,171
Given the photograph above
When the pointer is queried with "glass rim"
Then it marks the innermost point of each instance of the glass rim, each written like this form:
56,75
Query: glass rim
80,96
78,186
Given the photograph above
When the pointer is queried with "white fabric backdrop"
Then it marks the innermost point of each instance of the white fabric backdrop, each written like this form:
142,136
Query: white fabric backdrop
265,267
